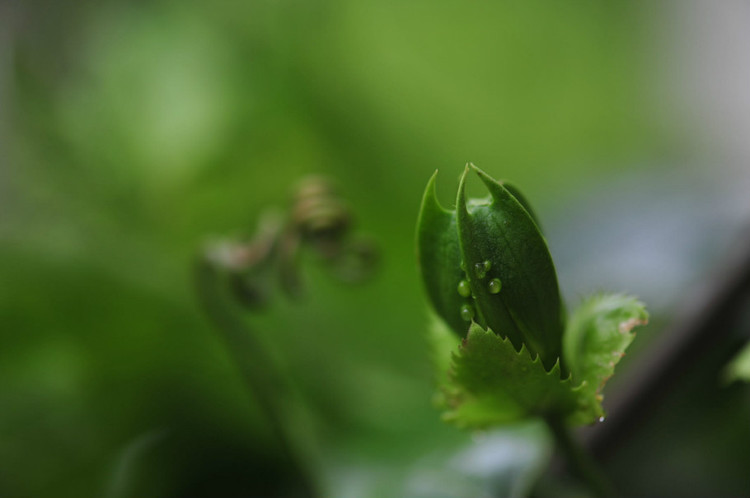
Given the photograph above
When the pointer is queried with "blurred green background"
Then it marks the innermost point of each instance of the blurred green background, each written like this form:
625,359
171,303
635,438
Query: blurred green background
133,131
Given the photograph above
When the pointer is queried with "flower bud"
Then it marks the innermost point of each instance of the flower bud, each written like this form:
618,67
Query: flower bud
487,261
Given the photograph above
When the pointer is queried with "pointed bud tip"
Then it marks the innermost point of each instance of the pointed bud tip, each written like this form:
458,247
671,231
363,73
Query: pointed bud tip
461,198
495,187
430,193
480,172
431,182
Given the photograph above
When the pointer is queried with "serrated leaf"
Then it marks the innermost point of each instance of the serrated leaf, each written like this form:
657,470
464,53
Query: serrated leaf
597,335
488,261
502,234
739,367
492,383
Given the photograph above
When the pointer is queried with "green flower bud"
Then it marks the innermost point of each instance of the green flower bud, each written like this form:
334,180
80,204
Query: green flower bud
487,261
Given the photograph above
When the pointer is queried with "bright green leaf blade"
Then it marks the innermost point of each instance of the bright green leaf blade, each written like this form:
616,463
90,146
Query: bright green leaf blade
523,202
492,383
437,243
528,308
739,367
595,340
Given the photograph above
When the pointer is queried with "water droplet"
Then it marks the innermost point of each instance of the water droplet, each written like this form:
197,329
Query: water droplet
495,285
601,419
479,271
467,312
464,289
482,268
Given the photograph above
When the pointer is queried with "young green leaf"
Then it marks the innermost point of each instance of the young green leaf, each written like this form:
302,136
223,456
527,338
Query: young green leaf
490,383
501,243
739,367
487,261
443,342
439,260
523,201
595,340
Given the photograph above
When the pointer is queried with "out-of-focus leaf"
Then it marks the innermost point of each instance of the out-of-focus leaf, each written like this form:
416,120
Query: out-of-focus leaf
597,335
739,367
443,343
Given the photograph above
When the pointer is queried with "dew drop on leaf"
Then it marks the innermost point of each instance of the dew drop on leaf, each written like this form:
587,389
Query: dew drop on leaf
464,289
482,268
467,312
495,285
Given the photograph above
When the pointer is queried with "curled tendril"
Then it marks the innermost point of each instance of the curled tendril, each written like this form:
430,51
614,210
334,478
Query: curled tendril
318,221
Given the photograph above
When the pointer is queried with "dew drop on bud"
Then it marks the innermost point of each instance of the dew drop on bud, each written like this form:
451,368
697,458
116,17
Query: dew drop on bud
464,289
601,419
495,285
478,269
482,268
467,312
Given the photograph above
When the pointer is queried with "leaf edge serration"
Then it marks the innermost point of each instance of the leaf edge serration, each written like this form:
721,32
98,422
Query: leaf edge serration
515,387
593,368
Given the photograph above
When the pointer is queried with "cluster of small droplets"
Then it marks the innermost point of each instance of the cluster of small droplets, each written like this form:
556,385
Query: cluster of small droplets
482,268
464,290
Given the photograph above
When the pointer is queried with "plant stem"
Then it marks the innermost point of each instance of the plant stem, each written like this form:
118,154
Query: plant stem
259,376
579,461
